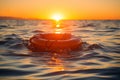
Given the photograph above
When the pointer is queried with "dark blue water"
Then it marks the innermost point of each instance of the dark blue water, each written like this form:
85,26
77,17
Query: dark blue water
98,60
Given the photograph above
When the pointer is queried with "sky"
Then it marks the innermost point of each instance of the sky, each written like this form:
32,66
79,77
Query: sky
69,9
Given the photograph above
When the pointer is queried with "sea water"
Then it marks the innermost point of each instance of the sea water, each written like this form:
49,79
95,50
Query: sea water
99,59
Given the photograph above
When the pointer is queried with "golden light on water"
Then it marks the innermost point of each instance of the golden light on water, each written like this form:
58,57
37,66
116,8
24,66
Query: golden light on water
57,25
57,17
56,63
58,31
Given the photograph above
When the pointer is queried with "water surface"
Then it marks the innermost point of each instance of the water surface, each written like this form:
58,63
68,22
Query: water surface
99,59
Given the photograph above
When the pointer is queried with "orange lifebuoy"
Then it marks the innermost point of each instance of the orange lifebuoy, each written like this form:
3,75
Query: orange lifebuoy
53,42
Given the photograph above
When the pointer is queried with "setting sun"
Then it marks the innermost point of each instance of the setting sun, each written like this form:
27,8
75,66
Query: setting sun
72,9
57,17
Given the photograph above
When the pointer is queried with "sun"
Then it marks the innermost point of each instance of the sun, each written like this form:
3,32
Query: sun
57,17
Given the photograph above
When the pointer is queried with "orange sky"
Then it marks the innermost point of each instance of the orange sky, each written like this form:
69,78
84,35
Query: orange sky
70,9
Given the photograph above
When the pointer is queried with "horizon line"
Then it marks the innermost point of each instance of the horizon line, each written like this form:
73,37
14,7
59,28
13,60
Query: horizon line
23,18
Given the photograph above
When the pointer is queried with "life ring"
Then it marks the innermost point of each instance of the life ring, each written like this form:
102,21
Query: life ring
52,42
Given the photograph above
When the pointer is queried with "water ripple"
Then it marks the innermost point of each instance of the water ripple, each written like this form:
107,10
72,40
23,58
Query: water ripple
99,59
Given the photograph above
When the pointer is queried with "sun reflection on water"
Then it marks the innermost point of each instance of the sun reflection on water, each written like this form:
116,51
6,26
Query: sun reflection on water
56,63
